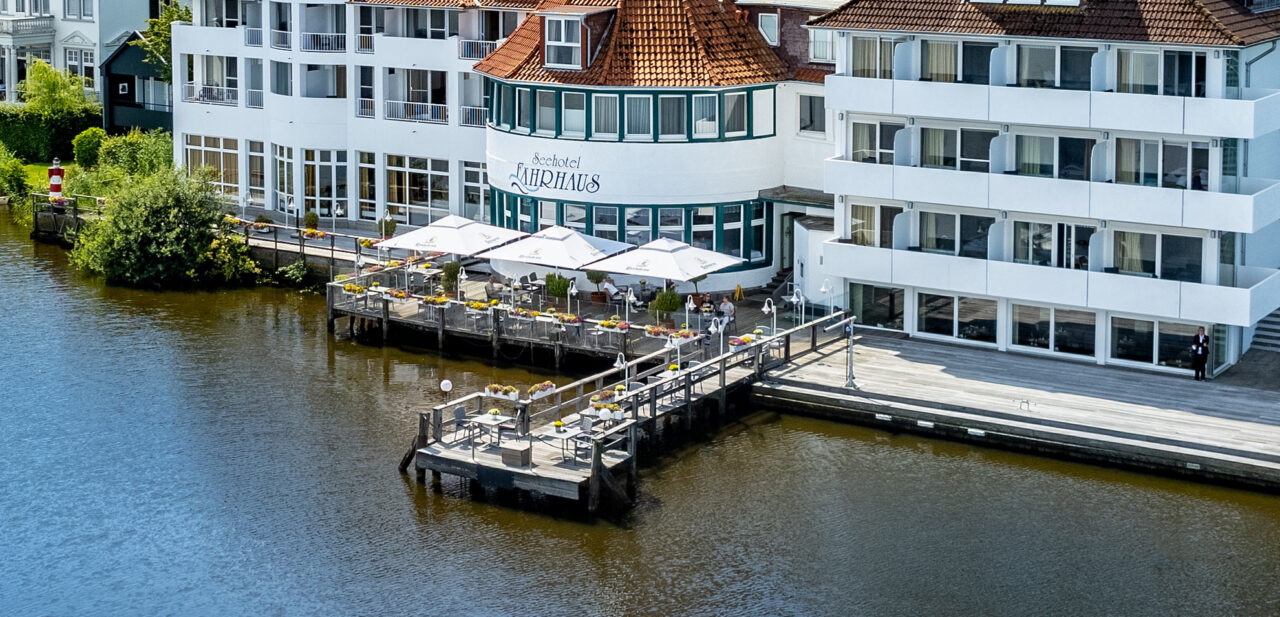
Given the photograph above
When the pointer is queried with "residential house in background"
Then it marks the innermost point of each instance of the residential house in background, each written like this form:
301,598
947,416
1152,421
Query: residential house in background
135,95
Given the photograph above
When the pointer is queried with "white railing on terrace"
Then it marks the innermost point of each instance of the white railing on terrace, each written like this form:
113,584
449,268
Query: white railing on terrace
364,108
364,43
473,116
253,37
253,98
27,25
280,39
417,112
220,95
475,50
323,41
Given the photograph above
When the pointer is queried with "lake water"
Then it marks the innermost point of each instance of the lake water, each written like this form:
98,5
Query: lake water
220,454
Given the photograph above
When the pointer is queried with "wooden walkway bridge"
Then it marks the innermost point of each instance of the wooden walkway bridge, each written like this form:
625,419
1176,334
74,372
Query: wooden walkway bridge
591,458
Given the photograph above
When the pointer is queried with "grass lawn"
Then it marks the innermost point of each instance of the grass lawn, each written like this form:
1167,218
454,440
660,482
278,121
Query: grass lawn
38,174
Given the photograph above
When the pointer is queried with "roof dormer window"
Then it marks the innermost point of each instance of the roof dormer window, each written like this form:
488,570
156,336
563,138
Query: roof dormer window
563,46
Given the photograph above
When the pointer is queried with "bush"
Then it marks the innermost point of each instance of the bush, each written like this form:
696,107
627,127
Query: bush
13,175
449,280
262,218
49,90
667,301
311,219
596,277
86,145
41,136
164,230
137,153
557,286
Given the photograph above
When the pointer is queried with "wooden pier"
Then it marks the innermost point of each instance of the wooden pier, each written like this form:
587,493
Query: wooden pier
594,461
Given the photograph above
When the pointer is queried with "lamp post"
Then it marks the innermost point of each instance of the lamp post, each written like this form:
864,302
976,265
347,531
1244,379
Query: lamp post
630,297
288,209
573,294
462,276
717,329
797,300
621,363
826,291
772,312
689,305
672,344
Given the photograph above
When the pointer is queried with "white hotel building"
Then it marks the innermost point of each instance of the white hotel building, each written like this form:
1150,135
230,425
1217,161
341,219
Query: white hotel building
1089,181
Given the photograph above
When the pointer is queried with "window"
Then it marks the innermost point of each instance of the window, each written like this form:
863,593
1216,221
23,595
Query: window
1032,326
1076,67
78,9
1173,344
282,156
324,182
639,117
367,194
1132,339
862,225
703,234
880,307
769,27
1185,165
217,155
257,173
822,46
1034,155
575,113
1184,73
417,189
1075,158
604,115
938,233
563,45
1138,72
813,114
706,121
1072,250
604,220
671,223
281,78
436,24
1137,161
966,318
936,314
887,216
1181,258
977,63
974,231
522,108
1033,243
938,61
1037,66
731,237
938,148
873,143
546,214
1061,330
872,57
757,211
975,150
671,117
575,217
80,63
735,114
639,228
1135,253
475,189
546,111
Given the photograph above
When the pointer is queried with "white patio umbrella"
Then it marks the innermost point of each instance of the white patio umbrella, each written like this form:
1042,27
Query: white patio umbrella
557,247
665,258
453,234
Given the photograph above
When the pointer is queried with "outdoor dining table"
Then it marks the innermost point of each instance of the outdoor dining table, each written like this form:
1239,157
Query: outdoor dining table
489,423
563,434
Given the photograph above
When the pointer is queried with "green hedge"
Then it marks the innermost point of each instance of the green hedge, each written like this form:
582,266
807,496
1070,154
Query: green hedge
35,136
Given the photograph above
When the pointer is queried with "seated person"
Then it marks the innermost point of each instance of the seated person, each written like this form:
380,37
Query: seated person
726,311
492,289
609,288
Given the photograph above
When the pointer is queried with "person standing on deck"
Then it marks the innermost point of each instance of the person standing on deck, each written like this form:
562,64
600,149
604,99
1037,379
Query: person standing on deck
1199,352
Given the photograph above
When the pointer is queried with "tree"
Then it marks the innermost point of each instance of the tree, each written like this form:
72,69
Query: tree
48,90
156,40
87,144
164,230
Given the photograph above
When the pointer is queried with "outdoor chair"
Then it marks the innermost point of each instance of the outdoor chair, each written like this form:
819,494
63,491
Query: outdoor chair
460,423
583,441
697,373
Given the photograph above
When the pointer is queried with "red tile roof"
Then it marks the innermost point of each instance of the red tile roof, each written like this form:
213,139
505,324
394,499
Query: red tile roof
654,43
816,76
1197,22
452,4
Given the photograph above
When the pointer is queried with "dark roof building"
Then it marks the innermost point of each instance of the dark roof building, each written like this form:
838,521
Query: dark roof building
134,95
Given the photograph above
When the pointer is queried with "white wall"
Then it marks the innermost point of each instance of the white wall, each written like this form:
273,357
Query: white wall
802,154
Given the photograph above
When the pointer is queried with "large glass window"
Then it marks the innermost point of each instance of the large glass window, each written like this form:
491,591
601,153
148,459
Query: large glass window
639,117
604,115
703,232
1062,330
1184,73
872,57
732,230
887,216
1034,155
417,188
706,116
1181,258
1037,66
575,113
1184,165
975,150
475,185
977,63
219,157
938,233
976,319
757,211
880,307
822,46
639,225
563,45
1132,339
368,189
813,114
257,173
974,231
1137,161
938,148
575,217
1138,72
671,223
1075,158
1033,243
80,62
671,117
938,61
1135,253
282,157
522,108
604,221
1174,344
1076,68
546,102
735,114
862,221
281,78
1032,326
324,182
1073,246
936,314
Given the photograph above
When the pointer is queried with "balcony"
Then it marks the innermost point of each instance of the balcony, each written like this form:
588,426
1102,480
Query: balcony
324,42
1255,295
475,50
253,37
212,94
364,43
26,30
417,112
474,116
253,98
280,39
1256,114
364,108
1254,205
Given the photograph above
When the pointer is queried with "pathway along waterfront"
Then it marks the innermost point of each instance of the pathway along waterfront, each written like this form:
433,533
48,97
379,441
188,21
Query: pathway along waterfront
218,453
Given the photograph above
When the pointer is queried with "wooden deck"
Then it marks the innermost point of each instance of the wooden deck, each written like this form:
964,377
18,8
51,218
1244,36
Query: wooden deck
1150,420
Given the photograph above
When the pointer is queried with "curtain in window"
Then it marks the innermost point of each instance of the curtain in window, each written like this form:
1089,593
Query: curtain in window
939,148
1135,252
605,115
639,118
1035,156
1128,161
671,116
1138,73
864,57
863,225
705,111
864,142
939,61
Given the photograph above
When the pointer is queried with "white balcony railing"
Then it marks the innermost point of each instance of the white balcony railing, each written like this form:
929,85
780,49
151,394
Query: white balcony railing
417,112
364,43
253,37
253,98
323,41
280,39
218,95
473,116
364,108
475,50
27,25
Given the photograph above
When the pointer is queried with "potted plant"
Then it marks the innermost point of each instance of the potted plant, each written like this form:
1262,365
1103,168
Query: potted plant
310,220
450,277
556,286
387,227
665,303
597,277
542,390
261,224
